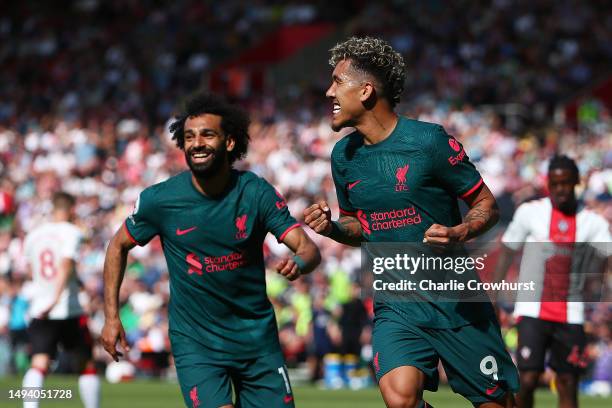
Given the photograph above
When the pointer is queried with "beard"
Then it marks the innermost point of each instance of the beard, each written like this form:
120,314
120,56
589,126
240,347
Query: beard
210,167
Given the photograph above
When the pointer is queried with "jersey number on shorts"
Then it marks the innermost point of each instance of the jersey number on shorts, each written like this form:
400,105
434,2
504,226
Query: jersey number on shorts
488,366
47,264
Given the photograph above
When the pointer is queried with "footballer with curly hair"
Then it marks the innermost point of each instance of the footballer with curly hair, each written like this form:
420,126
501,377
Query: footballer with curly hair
212,221
399,180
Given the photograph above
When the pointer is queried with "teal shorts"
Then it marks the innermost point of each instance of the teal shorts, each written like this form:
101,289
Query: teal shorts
474,357
206,381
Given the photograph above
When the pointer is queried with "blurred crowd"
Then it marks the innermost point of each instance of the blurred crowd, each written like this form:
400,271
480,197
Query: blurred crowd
85,108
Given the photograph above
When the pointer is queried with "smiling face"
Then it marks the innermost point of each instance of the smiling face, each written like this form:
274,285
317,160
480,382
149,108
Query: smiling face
348,91
206,145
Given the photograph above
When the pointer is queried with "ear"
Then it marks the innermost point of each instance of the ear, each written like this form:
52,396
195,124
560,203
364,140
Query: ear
230,143
367,91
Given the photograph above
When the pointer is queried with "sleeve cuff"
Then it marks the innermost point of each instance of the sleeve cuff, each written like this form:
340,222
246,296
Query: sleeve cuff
284,234
129,234
471,190
349,213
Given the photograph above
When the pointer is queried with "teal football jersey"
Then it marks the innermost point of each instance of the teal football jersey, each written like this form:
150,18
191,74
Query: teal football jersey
214,253
401,186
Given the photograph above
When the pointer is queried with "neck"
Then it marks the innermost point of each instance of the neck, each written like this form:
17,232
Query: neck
60,216
213,185
377,124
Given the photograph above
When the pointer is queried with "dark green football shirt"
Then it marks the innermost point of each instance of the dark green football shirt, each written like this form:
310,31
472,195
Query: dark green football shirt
401,186
213,249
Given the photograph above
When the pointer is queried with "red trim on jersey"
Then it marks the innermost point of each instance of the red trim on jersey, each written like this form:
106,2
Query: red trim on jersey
562,232
349,213
471,190
284,234
129,234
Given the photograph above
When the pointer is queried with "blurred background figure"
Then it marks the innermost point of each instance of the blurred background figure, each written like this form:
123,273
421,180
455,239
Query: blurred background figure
52,250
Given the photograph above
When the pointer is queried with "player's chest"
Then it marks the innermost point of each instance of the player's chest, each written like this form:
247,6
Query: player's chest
553,226
392,180
222,225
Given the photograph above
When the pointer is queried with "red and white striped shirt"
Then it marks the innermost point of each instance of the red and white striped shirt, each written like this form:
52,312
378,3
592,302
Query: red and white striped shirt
549,263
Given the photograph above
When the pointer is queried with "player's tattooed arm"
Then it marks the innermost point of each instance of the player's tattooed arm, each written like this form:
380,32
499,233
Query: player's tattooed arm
114,269
483,215
347,230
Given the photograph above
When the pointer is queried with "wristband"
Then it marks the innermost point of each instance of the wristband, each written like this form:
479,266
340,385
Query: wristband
301,264
336,231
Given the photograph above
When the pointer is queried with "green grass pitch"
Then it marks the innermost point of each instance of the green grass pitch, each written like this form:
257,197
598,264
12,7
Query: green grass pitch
156,394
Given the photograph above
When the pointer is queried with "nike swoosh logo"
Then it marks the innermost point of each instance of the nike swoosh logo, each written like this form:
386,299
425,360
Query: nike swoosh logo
288,399
353,184
490,391
185,231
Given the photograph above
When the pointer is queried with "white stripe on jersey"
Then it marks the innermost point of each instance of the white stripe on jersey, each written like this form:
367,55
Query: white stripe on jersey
532,223
44,248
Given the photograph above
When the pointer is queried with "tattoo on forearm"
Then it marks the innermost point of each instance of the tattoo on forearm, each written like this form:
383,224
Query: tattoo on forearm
350,226
347,231
477,217
480,218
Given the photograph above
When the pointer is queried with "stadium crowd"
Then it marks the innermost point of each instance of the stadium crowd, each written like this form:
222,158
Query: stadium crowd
94,123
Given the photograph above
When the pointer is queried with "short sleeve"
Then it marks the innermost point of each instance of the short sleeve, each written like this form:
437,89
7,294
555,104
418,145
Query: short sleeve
345,207
601,231
274,212
140,225
452,166
601,239
71,244
518,230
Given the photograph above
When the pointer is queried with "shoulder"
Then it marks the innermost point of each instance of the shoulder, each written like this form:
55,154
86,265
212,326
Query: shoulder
32,235
251,183
171,186
248,179
426,133
533,208
593,218
69,228
422,126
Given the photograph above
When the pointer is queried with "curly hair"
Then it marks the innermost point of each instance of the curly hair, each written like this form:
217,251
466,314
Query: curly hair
234,121
377,58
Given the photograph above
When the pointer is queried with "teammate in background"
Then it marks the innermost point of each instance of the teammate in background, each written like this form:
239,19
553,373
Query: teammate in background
554,325
415,171
52,251
212,222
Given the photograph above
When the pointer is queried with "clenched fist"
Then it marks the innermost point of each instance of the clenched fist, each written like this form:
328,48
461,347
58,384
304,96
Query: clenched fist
318,217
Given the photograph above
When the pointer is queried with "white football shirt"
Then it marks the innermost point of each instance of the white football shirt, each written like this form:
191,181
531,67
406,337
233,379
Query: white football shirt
549,257
44,248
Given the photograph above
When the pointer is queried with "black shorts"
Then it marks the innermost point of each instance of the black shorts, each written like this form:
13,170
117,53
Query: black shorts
73,334
565,341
